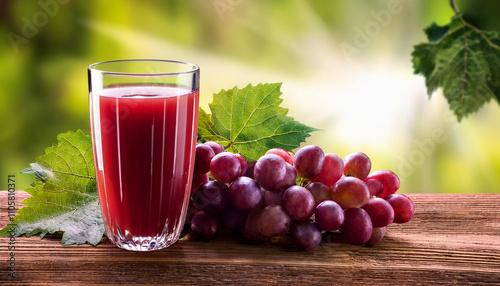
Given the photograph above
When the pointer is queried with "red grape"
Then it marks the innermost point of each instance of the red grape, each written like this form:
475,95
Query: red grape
298,202
332,171
225,167
357,165
290,177
211,197
204,224
309,161
270,172
245,194
351,192
273,221
243,163
357,228
380,212
192,210
202,158
273,198
306,234
403,207
282,153
329,215
388,179
375,187
250,170
320,191
198,180
250,231
215,146
377,234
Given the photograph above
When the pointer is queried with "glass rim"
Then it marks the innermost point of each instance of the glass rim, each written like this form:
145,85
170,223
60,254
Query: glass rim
194,67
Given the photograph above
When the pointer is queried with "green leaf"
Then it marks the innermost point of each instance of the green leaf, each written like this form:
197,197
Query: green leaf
65,196
462,60
250,121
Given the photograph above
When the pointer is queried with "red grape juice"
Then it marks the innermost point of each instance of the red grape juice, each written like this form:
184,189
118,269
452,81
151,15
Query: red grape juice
144,156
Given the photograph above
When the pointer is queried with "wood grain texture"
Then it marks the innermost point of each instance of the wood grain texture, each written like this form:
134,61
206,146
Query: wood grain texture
453,239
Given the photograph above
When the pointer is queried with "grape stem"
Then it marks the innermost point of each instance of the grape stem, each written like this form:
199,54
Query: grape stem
454,6
301,181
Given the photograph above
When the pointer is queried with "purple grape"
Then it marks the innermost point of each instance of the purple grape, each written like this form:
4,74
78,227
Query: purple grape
250,231
375,187
245,194
273,221
233,219
377,234
204,224
351,192
298,202
250,170
306,234
403,207
357,228
243,163
380,211
198,180
329,216
273,198
211,197
320,191
202,158
192,210
225,167
270,172
357,165
332,171
215,146
309,161
290,177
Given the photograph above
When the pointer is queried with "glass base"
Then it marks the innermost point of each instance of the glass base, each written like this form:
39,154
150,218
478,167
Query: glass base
144,243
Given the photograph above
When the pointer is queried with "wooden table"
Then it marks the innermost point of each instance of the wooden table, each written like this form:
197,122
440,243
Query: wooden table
453,239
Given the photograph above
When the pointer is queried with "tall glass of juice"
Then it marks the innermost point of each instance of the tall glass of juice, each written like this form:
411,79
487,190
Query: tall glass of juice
143,117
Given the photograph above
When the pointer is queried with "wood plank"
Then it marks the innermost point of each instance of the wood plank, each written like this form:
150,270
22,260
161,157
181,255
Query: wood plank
453,239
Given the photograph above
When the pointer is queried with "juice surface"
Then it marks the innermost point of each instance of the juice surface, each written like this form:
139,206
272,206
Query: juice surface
144,155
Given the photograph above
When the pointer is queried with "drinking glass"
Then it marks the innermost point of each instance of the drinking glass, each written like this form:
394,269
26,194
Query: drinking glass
143,118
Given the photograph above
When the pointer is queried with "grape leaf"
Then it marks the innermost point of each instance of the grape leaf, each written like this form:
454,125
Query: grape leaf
64,198
462,60
250,121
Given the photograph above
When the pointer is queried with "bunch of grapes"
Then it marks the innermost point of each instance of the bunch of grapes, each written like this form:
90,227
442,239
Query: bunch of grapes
301,195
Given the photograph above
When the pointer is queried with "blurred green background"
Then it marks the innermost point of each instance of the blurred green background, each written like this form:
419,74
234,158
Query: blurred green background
364,98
